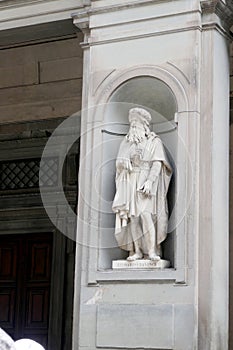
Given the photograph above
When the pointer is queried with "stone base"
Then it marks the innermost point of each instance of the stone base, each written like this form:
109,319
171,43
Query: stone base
142,264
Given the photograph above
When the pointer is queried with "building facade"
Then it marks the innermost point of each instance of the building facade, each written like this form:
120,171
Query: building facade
70,71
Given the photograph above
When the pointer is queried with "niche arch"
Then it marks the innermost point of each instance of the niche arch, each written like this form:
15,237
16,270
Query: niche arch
116,96
168,74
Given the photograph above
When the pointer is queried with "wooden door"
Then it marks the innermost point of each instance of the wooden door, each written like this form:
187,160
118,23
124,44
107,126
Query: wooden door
25,279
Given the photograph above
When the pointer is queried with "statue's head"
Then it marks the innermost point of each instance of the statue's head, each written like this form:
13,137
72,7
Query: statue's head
139,114
139,120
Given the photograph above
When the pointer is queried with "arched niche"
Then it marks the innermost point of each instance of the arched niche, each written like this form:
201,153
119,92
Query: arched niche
156,96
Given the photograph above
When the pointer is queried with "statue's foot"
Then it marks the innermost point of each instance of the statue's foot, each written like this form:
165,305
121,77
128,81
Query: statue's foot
135,256
154,257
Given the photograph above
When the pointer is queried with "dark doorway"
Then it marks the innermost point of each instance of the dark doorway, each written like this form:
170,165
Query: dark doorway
46,89
25,280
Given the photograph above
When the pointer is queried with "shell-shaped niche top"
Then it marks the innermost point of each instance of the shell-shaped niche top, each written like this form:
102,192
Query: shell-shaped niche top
7,343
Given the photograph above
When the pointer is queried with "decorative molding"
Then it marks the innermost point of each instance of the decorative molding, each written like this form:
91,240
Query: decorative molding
208,6
182,90
81,20
12,3
99,78
224,10
125,5
180,71
95,41
175,80
37,12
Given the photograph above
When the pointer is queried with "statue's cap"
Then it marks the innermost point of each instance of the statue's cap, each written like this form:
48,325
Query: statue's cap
141,114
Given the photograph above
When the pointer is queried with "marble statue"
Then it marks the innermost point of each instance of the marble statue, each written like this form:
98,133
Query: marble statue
143,174
27,344
7,343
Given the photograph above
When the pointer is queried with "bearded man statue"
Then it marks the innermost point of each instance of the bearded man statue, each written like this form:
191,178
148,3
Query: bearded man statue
143,175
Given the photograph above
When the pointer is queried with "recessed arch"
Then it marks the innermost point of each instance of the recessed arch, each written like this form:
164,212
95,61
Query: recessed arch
163,95
176,82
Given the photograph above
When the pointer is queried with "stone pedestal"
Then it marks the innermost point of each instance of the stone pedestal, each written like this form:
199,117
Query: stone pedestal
143,264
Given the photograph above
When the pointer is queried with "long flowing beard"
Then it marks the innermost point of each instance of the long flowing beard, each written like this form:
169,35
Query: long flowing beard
135,135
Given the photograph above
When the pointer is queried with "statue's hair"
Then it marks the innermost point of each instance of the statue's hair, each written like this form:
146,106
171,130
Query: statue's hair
139,114
147,130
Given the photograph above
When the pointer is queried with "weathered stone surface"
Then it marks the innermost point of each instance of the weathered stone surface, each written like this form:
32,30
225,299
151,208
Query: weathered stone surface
19,75
231,65
135,326
183,324
41,52
41,81
41,110
63,69
41,92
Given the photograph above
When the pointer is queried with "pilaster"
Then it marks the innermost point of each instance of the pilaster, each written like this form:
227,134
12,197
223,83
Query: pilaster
217,18
81,20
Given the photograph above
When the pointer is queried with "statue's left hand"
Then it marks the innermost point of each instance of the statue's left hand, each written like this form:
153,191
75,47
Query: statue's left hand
146,188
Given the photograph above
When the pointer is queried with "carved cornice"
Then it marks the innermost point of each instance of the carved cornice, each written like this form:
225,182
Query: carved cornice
209,6
223,9
88,10
225,12
81,20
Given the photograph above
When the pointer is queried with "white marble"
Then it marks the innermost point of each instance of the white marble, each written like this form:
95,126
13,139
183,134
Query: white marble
142,264
27,344
6,342
143,174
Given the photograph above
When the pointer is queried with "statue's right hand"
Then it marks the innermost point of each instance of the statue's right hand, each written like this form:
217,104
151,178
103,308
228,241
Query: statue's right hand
146,188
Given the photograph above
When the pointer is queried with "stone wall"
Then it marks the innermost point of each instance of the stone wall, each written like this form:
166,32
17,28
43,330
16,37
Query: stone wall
40,85
40,81
231,202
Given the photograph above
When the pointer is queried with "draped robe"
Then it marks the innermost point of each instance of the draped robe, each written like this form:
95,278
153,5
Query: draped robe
135,164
